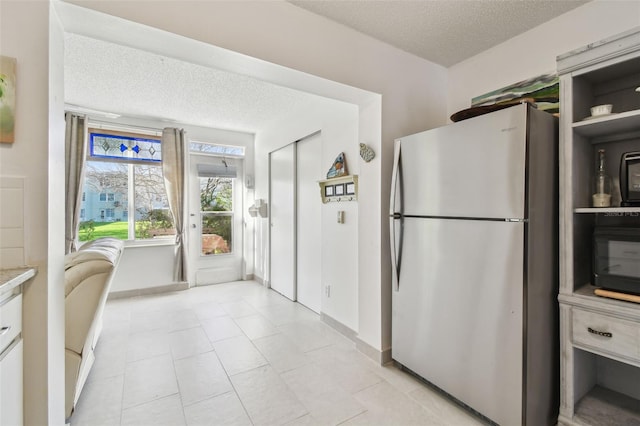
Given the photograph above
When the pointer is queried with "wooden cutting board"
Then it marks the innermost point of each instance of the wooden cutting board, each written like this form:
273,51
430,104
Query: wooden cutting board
479,110
616,295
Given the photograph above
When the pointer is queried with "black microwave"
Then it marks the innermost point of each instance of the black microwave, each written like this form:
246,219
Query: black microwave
616,259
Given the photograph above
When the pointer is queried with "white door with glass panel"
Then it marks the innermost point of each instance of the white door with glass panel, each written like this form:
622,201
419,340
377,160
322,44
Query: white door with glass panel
215,219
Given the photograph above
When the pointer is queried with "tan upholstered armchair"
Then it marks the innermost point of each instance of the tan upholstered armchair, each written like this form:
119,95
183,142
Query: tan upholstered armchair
88,275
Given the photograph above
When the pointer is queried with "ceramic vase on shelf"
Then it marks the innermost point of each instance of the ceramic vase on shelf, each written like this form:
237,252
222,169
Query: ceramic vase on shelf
601,184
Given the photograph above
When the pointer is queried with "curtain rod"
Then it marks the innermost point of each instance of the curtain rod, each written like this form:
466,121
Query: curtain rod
122,126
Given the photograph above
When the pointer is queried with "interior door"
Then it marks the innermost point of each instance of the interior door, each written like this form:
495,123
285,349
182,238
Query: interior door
215,219
308,214
282,216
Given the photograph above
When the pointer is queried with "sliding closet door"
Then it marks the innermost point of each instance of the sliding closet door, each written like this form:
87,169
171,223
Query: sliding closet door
309,172
282,172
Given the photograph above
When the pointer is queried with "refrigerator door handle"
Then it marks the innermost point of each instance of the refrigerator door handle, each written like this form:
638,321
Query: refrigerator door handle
394,177
396,251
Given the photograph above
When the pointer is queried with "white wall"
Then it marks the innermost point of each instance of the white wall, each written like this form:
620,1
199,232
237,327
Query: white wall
338,123
413,91
534,52
30,32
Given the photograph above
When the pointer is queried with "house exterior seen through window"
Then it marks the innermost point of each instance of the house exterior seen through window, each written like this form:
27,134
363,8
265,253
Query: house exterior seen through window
124,174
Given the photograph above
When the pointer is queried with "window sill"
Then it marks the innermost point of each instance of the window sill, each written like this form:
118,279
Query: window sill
150,243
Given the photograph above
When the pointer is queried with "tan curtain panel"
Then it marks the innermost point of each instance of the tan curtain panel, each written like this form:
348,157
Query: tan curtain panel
75,158
173,169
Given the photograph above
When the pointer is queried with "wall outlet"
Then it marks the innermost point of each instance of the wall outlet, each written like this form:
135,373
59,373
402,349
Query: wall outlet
327,290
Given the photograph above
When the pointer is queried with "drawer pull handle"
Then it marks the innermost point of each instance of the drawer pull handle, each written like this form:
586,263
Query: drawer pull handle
599,333
4,330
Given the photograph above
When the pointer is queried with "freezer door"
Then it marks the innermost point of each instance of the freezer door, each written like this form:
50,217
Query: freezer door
457,317
473,168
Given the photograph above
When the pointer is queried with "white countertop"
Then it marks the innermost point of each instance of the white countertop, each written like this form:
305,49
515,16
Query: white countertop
11,278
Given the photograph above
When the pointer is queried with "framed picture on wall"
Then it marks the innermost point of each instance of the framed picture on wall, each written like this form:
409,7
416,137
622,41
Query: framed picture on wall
8,86
350,188
328,191
339,189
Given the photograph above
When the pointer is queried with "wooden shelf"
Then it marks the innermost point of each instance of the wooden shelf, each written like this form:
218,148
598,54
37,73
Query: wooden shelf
607,127
584,297
602,406
343,188
632,211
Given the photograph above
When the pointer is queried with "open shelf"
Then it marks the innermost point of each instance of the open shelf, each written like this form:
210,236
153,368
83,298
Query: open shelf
584,297
631,211
343,188
602,406
608,126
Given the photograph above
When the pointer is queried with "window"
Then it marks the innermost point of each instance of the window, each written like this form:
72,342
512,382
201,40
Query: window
216,203
103,196
209,148
124,174
84,196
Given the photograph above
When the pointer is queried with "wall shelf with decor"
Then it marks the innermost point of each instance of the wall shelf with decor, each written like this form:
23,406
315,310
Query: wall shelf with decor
343,188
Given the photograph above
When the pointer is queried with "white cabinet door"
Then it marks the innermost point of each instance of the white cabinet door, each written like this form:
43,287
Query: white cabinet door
11,386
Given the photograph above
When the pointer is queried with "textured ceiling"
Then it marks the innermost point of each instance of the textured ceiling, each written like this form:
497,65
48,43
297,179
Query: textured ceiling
109,77
441,31
112,78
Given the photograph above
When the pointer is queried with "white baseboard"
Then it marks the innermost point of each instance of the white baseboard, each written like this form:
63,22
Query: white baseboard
381,357
260,280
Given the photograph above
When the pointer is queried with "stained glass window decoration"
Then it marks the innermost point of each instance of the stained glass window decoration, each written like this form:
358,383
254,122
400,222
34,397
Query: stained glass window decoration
124,148
211,148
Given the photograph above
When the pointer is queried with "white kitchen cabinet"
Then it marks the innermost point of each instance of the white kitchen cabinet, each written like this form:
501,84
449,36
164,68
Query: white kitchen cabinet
11,352
600,337
11,386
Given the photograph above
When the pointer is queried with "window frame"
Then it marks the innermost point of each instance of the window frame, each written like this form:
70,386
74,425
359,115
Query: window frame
131,163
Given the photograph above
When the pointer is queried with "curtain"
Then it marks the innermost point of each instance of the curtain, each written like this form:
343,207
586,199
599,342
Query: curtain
173,170
75,149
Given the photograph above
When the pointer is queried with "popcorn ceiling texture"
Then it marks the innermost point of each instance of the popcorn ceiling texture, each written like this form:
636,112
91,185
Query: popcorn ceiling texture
117,79
442,31
113,78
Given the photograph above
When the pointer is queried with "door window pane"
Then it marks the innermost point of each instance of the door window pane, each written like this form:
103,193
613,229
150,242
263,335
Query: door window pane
216,203
217,231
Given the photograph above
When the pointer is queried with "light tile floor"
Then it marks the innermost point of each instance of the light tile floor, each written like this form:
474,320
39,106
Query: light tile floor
240,354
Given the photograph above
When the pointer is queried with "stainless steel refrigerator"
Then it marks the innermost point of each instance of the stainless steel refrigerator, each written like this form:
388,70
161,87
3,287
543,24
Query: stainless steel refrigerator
474,251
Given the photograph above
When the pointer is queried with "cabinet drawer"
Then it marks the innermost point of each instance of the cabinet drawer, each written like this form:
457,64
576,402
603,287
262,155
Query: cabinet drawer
10,321
613,335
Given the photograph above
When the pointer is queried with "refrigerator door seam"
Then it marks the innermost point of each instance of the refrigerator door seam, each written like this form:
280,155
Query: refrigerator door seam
489,219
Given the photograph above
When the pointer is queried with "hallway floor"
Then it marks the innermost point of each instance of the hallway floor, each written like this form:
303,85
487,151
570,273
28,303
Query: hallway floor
240,354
